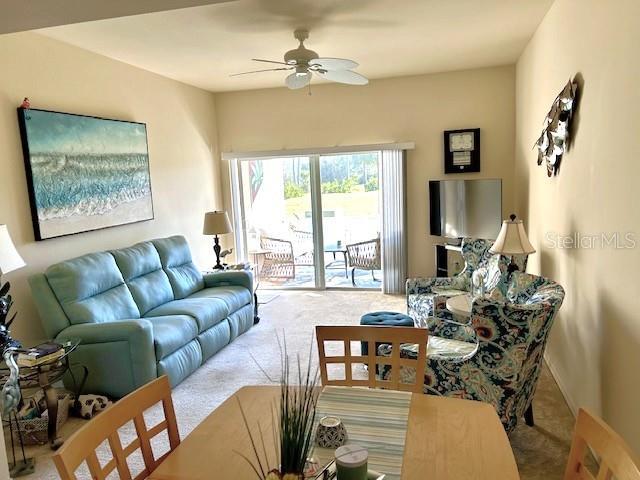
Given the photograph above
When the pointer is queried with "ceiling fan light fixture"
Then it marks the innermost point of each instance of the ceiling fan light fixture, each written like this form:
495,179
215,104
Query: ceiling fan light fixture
298,80
305,61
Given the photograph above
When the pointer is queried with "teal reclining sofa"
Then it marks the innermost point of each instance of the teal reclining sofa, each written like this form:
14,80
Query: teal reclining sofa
142,312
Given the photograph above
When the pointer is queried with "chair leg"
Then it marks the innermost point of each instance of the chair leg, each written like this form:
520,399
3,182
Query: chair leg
528,416
353,276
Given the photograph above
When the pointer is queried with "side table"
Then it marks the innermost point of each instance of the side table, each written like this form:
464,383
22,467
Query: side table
460,305
44,376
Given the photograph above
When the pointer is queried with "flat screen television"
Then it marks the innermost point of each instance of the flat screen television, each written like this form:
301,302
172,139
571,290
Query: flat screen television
465,208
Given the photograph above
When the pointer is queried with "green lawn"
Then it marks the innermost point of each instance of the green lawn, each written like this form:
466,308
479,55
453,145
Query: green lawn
355,204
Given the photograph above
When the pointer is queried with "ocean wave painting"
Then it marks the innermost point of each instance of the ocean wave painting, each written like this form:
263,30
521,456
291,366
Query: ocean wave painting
84,173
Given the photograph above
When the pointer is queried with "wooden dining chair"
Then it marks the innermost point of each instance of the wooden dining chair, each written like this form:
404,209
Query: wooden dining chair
82,445
616,458
373,336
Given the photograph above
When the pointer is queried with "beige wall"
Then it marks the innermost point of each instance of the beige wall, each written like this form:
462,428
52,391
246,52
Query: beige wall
594,345
182,147
415,109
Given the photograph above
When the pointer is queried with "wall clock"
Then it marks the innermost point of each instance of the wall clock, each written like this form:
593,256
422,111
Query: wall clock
462,150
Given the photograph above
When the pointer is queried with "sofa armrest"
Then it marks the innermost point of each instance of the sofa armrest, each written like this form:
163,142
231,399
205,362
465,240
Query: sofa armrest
119,355
241,278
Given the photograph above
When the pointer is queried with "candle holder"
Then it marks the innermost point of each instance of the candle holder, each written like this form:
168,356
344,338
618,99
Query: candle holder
331,433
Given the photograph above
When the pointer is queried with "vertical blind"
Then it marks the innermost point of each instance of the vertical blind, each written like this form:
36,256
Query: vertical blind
394,236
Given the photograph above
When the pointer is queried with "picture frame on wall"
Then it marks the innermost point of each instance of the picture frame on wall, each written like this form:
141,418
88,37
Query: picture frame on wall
462,150
84,173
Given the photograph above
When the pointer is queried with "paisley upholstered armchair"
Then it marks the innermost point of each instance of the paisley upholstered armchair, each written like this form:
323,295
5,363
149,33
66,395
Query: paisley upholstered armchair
511,333
426,297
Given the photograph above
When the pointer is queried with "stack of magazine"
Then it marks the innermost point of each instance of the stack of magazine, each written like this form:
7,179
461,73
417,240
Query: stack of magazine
44,353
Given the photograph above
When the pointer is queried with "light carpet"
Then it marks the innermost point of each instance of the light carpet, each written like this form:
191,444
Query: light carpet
541,451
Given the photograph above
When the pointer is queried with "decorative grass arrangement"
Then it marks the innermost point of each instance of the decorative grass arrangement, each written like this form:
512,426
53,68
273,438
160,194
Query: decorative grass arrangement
293,415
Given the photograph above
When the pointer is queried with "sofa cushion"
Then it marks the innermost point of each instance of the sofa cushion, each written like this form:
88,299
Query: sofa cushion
175,257
214,339
206,311
235,297
142,271
179,365
91,289
171,333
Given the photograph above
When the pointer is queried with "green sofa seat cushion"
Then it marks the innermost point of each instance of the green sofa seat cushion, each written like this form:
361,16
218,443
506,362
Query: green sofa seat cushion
234,296
91,289
142,271
171,333
182,363
207,312
175,257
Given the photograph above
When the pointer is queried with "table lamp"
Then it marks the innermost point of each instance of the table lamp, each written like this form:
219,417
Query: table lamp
512,240
10,259
216,223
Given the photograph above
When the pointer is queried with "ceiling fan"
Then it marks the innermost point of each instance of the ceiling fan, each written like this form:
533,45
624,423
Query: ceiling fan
304,63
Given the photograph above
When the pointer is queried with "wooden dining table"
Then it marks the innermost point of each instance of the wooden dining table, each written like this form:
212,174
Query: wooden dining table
446,439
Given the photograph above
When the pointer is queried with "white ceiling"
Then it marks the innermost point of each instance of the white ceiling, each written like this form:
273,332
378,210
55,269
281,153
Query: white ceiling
19,16
203,45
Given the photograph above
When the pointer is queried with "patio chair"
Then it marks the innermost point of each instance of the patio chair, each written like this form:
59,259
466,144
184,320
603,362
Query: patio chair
364,256
282,256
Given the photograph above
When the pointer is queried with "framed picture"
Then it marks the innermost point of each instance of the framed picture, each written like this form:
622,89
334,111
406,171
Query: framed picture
462,151
84,173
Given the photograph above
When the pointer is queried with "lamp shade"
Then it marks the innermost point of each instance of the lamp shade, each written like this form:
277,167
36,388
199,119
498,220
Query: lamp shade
10,259
512,239
216,223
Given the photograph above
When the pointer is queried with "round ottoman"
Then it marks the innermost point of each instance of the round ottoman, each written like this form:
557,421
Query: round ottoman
384,319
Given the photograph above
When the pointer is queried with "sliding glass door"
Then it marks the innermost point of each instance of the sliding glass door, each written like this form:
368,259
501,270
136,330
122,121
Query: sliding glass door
312,221
350,196
277,220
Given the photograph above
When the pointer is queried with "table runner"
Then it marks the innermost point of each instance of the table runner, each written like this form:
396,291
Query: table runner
374,419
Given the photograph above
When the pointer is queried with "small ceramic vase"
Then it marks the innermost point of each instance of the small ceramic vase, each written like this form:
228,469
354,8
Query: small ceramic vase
331,433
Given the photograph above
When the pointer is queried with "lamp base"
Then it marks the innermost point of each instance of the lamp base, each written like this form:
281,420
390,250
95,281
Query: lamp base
216,250
513,267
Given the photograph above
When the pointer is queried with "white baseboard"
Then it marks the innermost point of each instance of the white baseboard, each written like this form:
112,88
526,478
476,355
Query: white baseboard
554,373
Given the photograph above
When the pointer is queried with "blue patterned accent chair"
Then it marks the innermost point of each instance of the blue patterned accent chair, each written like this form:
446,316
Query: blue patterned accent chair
504,367
427,297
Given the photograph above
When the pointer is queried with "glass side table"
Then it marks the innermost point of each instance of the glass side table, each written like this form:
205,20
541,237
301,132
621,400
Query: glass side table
44,376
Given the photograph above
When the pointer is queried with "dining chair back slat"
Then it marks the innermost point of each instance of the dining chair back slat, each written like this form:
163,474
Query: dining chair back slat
81,446
616,460
373,337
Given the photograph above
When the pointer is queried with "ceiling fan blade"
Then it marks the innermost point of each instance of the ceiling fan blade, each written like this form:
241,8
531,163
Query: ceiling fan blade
334,63
258,71
298,80
344,76
268,61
